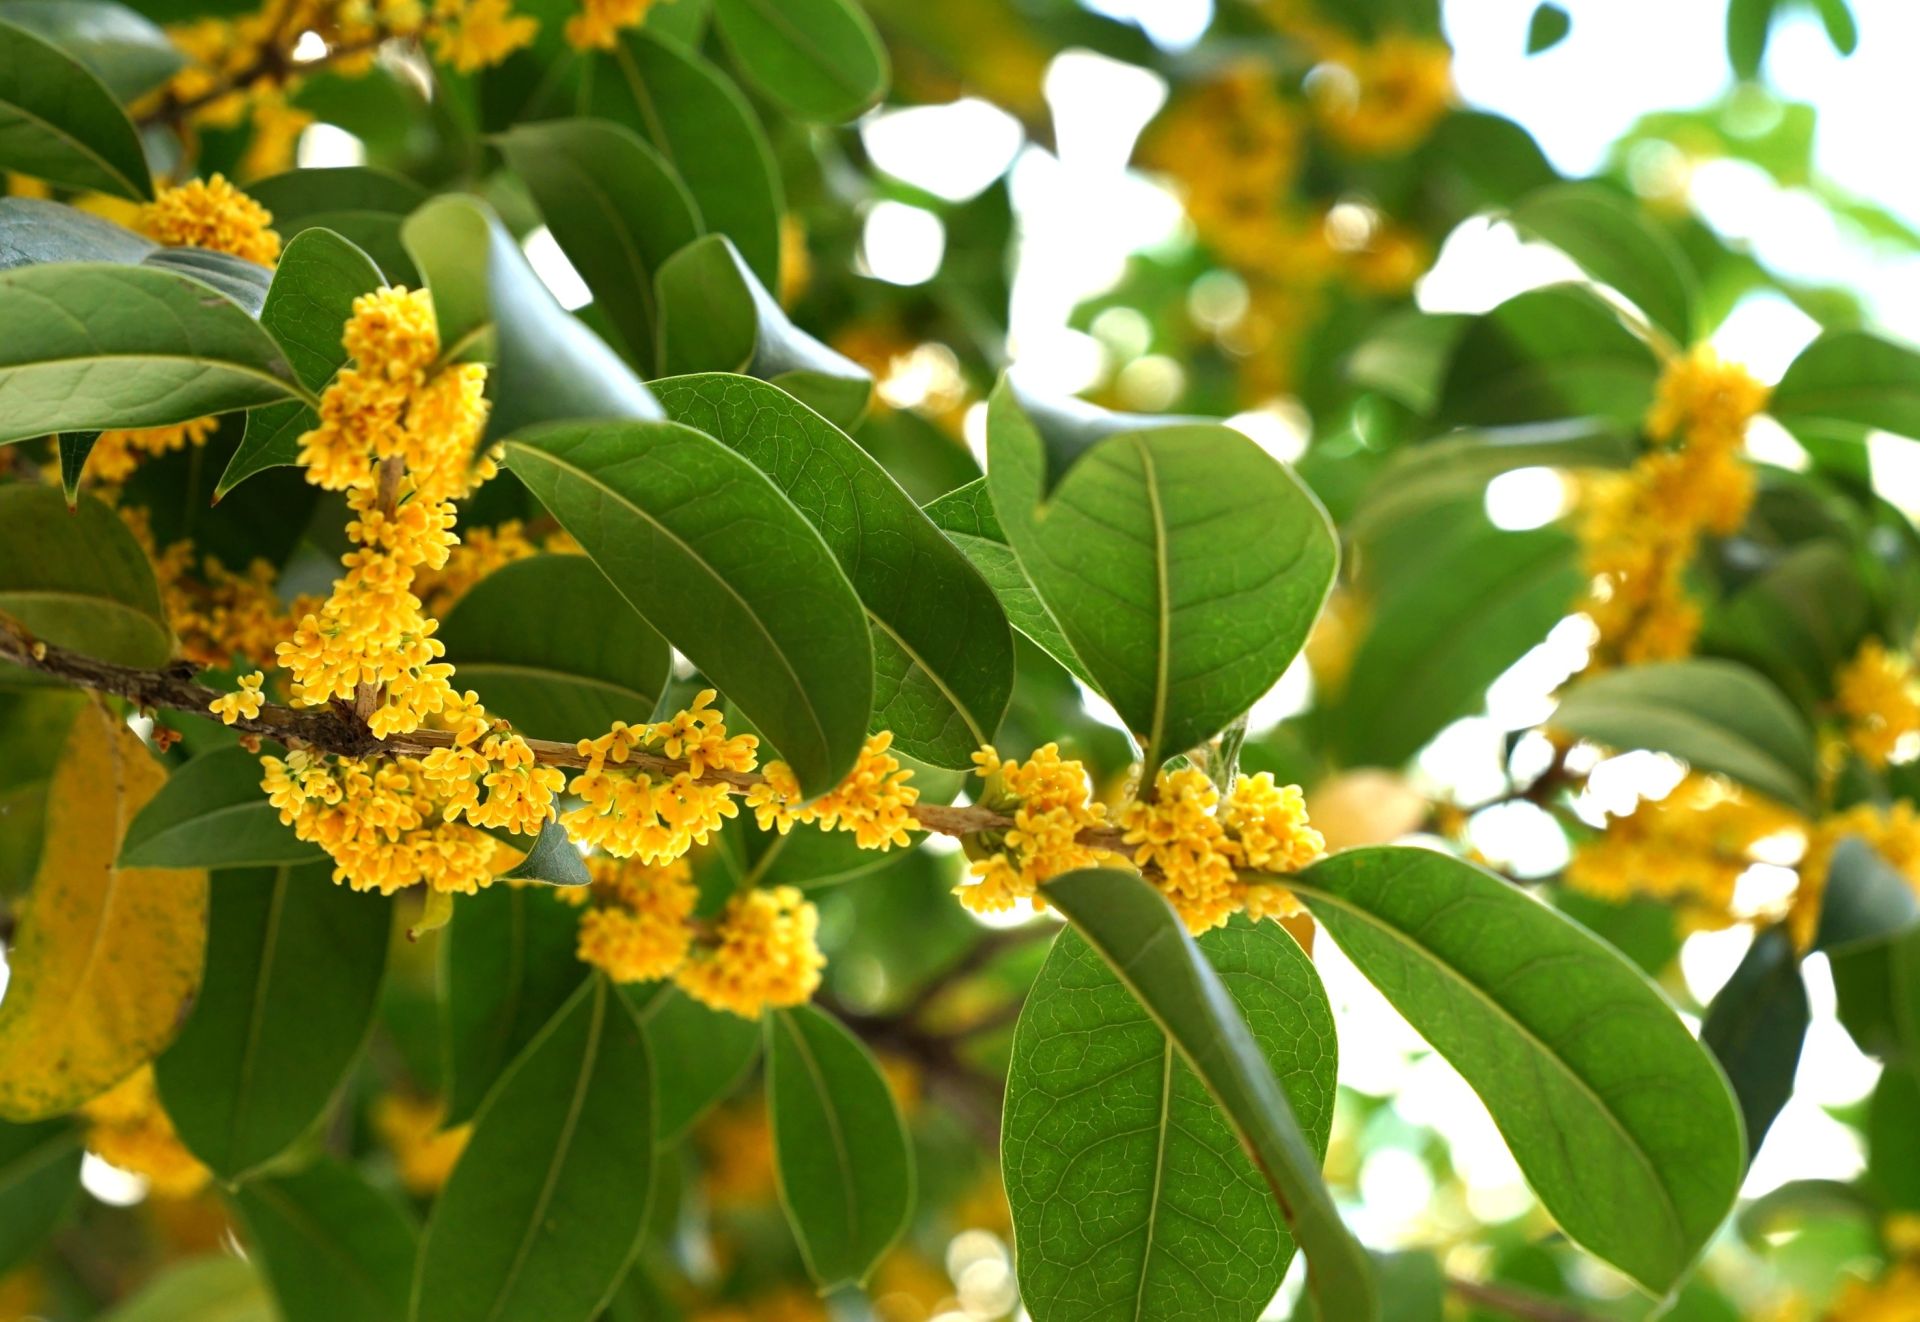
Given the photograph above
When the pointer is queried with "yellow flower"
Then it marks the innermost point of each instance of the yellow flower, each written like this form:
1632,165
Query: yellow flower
1269,822
874,802
1876,693
424,1153
1705,400
212,214
1394,92
1051,802
736,1149
762,953
1892,831
644,928
629,814
1895,1297
117,453
128,1128
477,34
243,702
599,23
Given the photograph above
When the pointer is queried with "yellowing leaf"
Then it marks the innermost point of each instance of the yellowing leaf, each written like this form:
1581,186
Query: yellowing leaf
106,958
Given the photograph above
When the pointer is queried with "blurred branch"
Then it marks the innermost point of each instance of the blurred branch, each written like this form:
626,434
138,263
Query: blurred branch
1510,1301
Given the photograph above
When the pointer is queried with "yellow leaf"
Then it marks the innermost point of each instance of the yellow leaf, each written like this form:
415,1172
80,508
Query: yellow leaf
106,959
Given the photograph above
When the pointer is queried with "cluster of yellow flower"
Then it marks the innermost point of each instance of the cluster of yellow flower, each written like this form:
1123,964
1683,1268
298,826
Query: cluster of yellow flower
874,802
424,1150
599,23
1891,830
1641,528
219,617
1051,802
118,452
1877,695
126,1127
479,553
1381,99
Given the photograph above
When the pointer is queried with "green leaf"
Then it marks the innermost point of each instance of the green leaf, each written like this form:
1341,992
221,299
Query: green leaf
966,516
210,1289
1749,24
1184,564
1849,376
943,657
1836,16
716,316
93,346
1878,988
1865,899
362,205
126,51
1134,930
820,60
34,230
306,310
59,122
330,1244
75,446
1413,1288
508,966
699,540
242,281
617,209
542,1217
699,1055
77,578
551,857
1121,1170
1798,622
39,1184
1620,1120
1547,28
548,367
707,132
549,644
1546,355
1615,244
1755,1028
1715,715
212,813
840,1147
261,1056
1404,354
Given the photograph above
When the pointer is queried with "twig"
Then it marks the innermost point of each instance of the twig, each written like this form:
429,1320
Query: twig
1517,1303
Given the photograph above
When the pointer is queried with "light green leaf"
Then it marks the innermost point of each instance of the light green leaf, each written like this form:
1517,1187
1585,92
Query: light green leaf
1621,1121
699,540
262,1057
210,1289
319,276
943,658
542,1217
1616,244
77,578
699,1055
59,122
840,1147
1547,355
91,346
548,644
364,206
39,1184
1184,564
212,813
820,60
331,1245
1121,1169
128,53
617,209
1134,930
1716,715
1850,376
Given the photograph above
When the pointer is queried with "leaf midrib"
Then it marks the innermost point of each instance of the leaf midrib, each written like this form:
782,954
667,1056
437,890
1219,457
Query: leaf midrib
841,1155
804,42
257,1013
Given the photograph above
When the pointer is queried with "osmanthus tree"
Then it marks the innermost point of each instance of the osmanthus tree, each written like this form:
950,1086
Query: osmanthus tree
469,766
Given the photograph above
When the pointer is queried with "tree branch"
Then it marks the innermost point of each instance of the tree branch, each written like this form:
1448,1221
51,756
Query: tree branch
1516,1303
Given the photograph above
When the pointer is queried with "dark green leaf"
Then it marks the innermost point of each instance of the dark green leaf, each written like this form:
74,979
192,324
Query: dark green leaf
1798,622
1135,931
1865,899
551,858
840,1148
93,346
307,307
542,1217
331,1245
820,60
75,446
1547,28
1617,245
212,813
617,209
1715,715
509,965
59,122
77,578
1121,1170
39,1183
1755,1028
364,206
699,1055
1184,564
1849,376
262,1056
943,658
126,51
699,540
1893,1140
1546,355
1878,988
1620,1120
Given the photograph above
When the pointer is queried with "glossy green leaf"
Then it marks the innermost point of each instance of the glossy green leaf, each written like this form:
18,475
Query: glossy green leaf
1715,715
547,366
840,1147
700,1056
34,230
75,446
1850,376
314,285
551,858
1755,1028
617,209
362,205
943,658
59,122
702,542
261,1056
78,579
508,965
703,126
820,60
1616,244
39,1184
716,316
548,644
542,1217
1184,564
216,1288
127,52
212,813
242,281
330,1245
176,349
1122,1172
1620,1120
1546,355
1132,928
